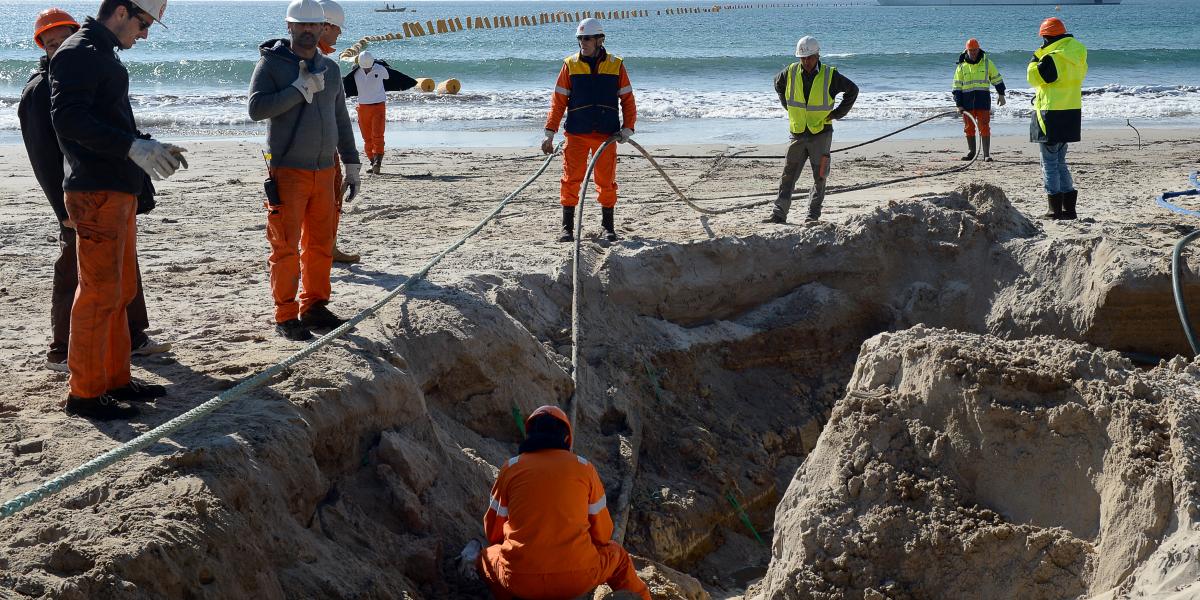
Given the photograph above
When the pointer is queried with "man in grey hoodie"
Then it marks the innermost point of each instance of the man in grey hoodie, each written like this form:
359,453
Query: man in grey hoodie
300,92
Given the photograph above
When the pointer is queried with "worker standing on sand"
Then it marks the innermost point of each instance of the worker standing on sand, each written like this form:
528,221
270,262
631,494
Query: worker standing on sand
1056,73
547,524
51,29
807,89
973,77
304,141
371,80
106,163
335,20
590,84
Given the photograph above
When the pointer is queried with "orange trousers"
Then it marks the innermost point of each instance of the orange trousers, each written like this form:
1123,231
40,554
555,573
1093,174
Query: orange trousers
106,247
301,231
615,569
372,120
576,154
985,123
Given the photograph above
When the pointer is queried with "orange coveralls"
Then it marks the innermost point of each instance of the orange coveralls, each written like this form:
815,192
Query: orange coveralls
580,146
550,531
309,206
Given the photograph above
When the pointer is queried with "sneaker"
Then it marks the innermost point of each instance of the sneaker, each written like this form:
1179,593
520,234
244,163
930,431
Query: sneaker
57,364
610,235
776,219
137,391
293,330
468,558
319,317
342,257
150,346
100,408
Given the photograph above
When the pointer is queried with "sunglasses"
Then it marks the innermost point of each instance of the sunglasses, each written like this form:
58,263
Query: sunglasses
588,38
143,24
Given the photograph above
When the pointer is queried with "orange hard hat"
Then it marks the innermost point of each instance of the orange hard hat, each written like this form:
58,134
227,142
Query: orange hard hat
557,413
972,44
1052,27
49,19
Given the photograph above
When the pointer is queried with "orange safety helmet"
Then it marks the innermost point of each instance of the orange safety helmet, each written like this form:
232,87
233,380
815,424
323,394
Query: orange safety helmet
557,413
972,44
1052,27
49,19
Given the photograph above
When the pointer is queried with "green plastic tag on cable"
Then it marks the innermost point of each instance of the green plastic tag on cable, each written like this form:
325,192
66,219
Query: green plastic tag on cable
516,413
744,517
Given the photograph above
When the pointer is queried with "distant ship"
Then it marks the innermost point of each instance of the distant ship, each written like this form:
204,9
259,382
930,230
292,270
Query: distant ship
390,8
991,2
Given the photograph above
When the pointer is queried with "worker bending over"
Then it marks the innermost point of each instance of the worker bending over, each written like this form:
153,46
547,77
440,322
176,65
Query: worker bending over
589,87
806,89
1056,73
973,78
300,91
548,525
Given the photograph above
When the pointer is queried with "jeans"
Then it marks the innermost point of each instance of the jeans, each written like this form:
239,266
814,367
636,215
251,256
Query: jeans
1056,175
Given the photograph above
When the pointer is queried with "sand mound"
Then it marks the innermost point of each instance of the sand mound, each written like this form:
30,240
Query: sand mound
961,466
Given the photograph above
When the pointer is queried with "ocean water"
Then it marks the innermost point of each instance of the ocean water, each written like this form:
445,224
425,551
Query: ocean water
698,78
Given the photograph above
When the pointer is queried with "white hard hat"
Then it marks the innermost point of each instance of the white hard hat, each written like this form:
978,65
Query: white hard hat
334,15
807,46
305,11
589,26
154,8
366,60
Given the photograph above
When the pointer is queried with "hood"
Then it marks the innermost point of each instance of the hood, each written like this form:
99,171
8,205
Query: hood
557,413
279,48
962,58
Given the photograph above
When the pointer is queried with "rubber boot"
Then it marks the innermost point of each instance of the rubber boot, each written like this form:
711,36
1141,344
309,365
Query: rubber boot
987,149
1068,204
1056,206
971,149
606,221
568,224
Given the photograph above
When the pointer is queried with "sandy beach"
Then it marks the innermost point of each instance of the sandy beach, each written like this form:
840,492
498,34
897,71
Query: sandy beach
203,258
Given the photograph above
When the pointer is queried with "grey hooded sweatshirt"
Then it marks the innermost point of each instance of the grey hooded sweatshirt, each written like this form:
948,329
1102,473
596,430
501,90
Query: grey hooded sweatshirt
325,126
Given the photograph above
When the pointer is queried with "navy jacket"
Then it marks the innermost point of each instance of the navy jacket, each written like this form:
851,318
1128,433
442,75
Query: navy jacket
396,81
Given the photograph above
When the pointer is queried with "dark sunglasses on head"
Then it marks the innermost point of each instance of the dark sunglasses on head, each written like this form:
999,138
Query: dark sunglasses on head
585,38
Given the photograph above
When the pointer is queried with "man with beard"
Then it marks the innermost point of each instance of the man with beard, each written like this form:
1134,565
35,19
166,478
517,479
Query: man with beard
304,142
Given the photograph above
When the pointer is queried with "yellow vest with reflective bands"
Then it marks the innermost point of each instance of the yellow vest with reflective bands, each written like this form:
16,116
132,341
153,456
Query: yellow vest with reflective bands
809,114
1066,92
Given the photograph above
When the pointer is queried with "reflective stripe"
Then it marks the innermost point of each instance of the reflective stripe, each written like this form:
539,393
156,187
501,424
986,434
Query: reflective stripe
562,90
625,90
512,461
582,460
500,509
597,506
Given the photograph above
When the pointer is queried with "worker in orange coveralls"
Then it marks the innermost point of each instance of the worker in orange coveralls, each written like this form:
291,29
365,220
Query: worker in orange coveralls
588,89
548,523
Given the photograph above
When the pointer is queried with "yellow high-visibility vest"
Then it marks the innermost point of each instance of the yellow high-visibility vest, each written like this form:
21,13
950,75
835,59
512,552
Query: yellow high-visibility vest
1066,92
809,114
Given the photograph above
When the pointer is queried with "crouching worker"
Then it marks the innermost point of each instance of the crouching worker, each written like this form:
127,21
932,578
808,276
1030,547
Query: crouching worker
547,523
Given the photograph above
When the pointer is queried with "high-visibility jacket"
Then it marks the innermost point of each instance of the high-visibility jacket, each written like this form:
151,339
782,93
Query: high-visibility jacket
1058,87
812,113
590,98
973,80
549,512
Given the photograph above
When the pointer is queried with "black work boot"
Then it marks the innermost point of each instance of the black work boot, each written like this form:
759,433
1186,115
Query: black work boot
1056,206
1068,205
775,219
319,317
568,224
606,221
137,391
987,149
294,330
971,149
100,408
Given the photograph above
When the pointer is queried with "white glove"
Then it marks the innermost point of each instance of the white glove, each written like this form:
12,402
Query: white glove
309,83
153,158
624,135
353,180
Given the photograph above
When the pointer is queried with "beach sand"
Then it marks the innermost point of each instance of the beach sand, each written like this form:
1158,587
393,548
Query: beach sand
203,250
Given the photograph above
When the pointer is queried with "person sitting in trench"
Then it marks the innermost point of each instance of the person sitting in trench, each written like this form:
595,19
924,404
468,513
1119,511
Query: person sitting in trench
548,525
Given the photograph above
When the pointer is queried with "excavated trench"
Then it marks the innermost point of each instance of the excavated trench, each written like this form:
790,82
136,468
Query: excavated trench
709,372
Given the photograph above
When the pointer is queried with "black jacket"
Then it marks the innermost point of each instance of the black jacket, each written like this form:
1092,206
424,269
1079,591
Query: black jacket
396,81
839,85
41,143
89,105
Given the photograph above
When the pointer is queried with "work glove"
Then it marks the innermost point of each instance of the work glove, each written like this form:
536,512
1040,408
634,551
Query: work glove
548,143
1000,101
309,83
624,134
154,158
352,182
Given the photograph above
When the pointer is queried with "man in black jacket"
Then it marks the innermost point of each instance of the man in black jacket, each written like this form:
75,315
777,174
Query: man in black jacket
107,161
51,29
